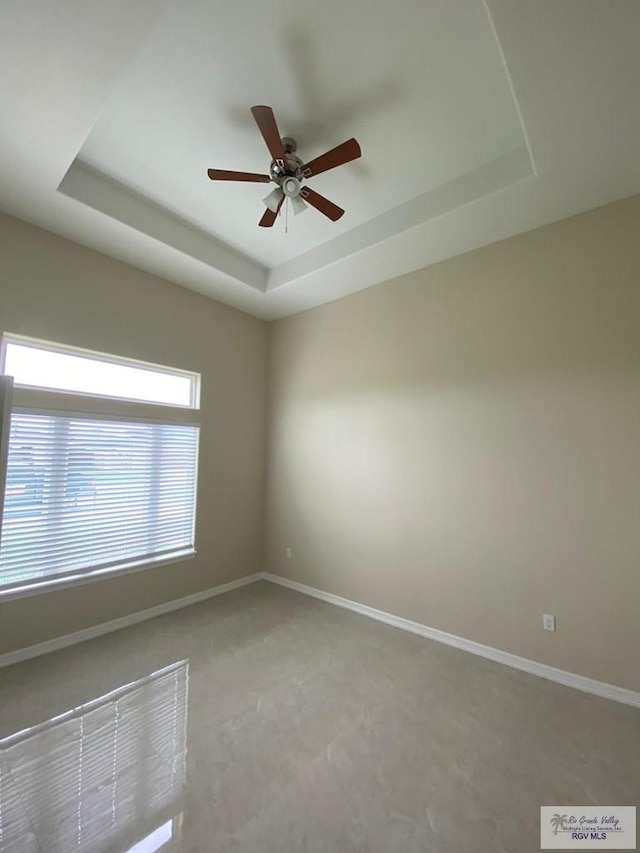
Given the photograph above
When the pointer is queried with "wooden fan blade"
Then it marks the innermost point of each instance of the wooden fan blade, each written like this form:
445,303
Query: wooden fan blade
267,126
331,210
269,217
224,175
345,153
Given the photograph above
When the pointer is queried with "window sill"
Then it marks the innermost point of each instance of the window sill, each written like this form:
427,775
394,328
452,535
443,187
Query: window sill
54,584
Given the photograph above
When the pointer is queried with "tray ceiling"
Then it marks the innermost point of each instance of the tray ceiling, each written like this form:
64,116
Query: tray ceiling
476,120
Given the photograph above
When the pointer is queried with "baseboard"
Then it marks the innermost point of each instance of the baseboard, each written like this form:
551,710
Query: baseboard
123,622
569,679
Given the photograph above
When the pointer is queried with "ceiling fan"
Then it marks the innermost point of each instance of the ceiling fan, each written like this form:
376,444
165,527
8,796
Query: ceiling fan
288,171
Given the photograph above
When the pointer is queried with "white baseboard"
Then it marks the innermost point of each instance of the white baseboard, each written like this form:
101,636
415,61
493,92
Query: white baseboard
569,679
123,622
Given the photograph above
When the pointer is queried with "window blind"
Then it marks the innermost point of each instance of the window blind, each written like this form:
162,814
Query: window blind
85,493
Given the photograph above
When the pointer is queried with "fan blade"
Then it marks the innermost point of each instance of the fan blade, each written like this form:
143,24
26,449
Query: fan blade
270,216
267,126
331,210
223,175
345,153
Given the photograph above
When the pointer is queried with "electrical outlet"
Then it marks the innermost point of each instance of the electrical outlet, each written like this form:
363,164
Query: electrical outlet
548,622
288,553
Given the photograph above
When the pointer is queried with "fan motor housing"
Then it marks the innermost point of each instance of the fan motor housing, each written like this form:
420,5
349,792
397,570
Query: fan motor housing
292,163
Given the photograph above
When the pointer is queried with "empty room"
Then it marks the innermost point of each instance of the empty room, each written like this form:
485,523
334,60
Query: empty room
319,426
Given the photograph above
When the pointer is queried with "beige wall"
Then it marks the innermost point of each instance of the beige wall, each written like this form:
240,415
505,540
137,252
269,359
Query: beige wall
461,446
53,289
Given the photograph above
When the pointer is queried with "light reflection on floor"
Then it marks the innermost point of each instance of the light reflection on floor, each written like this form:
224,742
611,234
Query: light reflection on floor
156,840
102,775
310,728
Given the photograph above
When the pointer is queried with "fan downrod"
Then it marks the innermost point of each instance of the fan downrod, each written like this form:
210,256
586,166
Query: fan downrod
290,145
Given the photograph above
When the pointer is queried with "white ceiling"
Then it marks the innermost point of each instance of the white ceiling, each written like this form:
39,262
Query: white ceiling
424,92
476,120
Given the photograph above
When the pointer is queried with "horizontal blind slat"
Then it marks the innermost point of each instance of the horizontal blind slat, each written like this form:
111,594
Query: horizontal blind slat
89,492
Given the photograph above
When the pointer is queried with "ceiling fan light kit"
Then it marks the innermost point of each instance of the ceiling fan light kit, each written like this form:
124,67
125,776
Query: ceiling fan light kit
274,199
288,171
290,187
298,205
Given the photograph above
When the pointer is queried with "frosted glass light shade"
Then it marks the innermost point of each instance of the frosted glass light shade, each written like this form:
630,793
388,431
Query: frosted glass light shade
298,205
273,199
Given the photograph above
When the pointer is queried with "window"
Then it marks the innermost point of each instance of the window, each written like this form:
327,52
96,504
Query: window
89,493
37,364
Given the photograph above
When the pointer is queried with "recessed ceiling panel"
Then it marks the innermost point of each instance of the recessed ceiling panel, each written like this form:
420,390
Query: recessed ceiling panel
420,84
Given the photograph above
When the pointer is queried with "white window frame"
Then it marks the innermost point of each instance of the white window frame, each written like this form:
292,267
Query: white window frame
47,401
65,349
